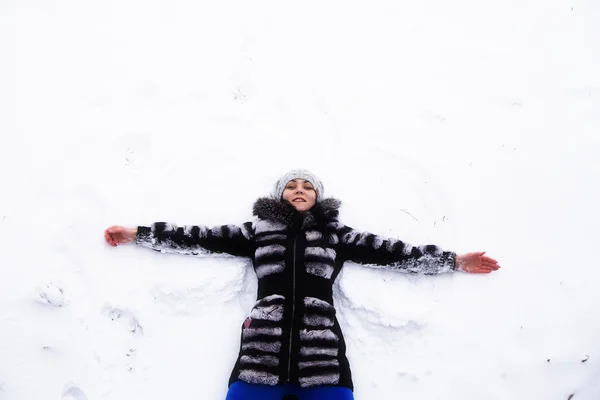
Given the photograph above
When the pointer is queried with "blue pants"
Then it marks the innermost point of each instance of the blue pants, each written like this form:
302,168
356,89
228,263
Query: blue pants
245,391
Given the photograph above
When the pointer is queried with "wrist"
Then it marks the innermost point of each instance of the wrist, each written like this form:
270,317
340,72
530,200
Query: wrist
458,265
133,233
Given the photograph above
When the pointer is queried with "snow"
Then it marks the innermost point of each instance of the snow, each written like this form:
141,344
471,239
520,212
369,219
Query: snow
472,125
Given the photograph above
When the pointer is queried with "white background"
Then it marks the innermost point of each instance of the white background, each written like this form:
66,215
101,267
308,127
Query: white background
474,125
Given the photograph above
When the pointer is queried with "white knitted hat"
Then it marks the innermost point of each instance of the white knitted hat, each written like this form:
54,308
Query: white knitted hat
298,174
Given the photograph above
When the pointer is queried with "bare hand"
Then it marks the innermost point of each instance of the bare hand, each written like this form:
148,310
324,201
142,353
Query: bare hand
476,263
119,235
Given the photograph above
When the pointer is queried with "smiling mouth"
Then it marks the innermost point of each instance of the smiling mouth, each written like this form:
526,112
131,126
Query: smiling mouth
299,200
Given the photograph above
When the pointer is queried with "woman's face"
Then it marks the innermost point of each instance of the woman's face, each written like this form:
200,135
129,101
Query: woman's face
301,194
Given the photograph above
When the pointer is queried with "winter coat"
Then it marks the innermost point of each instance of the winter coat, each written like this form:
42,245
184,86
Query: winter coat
292,335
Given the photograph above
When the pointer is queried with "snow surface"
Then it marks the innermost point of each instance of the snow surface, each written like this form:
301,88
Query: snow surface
474,125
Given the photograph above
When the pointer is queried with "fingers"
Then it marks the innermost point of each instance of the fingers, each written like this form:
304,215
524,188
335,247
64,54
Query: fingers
490,265
115,235
109,238
482,269
487,262
114,229
489,259
486,270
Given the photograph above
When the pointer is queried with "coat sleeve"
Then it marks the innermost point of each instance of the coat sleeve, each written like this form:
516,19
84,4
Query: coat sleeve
198,240
372,250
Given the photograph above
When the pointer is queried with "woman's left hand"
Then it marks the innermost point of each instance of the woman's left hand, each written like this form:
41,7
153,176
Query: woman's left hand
476,263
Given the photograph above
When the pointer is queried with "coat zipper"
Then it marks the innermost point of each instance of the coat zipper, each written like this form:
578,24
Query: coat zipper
293,308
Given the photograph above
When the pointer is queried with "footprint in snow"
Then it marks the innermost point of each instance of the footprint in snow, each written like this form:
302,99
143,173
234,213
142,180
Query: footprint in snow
51,295
72,392
126,317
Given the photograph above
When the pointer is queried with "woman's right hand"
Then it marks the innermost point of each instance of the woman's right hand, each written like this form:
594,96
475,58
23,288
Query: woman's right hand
116,235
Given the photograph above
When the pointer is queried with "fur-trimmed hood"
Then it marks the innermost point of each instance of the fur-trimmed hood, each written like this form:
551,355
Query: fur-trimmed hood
321,213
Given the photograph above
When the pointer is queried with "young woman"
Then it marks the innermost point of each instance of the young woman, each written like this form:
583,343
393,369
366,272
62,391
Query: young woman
291,341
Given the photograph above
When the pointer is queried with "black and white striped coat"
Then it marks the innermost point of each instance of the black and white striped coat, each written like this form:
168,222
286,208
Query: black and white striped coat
291,335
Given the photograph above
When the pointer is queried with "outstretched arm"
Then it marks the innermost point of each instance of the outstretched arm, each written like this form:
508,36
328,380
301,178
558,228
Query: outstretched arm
369,249
195,240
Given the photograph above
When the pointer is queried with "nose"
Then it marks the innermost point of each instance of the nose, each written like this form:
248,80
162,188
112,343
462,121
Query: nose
299,190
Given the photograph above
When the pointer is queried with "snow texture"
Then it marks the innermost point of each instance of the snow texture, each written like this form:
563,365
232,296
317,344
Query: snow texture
473,125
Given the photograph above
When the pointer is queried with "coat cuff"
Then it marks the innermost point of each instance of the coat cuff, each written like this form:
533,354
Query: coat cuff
450,257
143,234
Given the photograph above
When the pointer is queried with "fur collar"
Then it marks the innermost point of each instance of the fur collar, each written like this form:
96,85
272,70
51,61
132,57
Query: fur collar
322,213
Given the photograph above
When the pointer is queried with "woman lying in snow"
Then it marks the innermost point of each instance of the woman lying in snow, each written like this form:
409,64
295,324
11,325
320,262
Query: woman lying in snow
291,342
